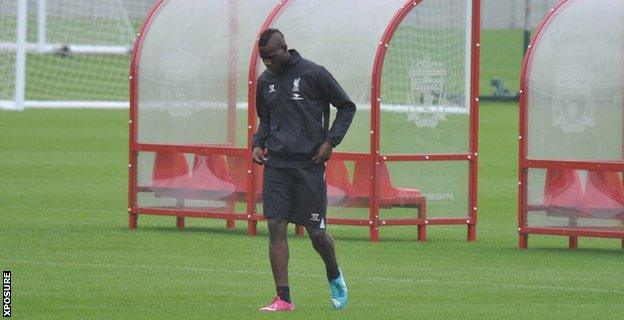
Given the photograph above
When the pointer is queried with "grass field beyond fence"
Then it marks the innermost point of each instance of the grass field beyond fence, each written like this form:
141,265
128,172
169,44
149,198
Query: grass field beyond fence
63,199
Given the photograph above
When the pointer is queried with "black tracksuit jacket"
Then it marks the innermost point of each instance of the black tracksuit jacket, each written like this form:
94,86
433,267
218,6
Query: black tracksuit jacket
293,107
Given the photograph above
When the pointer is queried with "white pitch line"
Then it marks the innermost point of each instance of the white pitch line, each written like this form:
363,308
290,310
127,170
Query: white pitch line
380,279
143,266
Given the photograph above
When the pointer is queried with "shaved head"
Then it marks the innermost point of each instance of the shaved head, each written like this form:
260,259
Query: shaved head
273,50
268,34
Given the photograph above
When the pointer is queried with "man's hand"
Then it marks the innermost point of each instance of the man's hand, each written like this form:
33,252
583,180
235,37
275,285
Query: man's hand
258,155
324,153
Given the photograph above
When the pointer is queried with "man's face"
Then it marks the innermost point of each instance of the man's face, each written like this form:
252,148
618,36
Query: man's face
274,54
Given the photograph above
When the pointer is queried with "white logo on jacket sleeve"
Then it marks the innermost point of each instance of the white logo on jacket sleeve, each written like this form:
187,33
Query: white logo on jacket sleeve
271,88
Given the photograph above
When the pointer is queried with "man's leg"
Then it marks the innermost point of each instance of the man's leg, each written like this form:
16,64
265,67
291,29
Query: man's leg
276,197
278,250
278,254
323,243
309,210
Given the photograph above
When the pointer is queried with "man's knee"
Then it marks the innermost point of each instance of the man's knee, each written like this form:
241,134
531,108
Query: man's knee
277,228
317,235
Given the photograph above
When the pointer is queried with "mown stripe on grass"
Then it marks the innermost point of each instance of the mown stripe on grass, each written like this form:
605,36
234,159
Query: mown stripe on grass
378,279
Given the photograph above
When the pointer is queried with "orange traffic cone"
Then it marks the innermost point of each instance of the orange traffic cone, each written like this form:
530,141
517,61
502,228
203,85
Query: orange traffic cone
170,171
604,194
563,190
211,187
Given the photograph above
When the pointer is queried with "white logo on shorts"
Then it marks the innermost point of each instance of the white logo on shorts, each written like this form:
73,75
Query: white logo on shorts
314,217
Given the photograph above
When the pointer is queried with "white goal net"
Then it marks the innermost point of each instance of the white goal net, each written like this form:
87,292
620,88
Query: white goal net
67,53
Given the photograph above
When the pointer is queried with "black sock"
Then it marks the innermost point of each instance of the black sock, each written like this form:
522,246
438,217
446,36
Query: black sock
284,293
332,272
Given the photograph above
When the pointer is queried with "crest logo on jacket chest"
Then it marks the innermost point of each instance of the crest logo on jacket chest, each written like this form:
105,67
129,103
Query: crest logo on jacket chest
295,89
296,85
271,88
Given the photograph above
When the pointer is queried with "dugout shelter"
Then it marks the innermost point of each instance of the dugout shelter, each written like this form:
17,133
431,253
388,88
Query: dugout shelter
572,124
411,67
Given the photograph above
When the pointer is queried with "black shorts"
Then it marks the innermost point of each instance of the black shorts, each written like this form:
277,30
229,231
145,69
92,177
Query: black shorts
298,195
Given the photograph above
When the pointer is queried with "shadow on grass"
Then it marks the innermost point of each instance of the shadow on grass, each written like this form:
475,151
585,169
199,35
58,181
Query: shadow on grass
262,233
191,229
579,251
446,240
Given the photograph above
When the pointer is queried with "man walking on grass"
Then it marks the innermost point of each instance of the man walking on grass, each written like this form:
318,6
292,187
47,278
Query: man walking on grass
293,142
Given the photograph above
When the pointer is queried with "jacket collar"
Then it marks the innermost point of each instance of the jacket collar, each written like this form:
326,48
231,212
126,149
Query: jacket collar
296,57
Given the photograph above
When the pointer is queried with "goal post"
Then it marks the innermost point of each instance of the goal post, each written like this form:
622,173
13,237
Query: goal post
67,53
20,56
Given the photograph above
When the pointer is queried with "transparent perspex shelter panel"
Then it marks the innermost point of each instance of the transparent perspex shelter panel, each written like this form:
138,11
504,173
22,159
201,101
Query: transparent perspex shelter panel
348,189
193,76
343,36
443,185
425,105
191,182
570,198
576,84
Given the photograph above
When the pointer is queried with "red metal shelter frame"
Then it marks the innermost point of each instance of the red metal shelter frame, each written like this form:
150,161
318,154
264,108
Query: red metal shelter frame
135,147
377,158
374,156
525,163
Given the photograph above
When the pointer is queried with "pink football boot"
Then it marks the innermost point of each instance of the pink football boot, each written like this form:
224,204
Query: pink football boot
278,305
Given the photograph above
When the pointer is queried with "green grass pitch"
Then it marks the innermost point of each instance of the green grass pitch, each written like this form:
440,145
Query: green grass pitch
64,234
63,182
